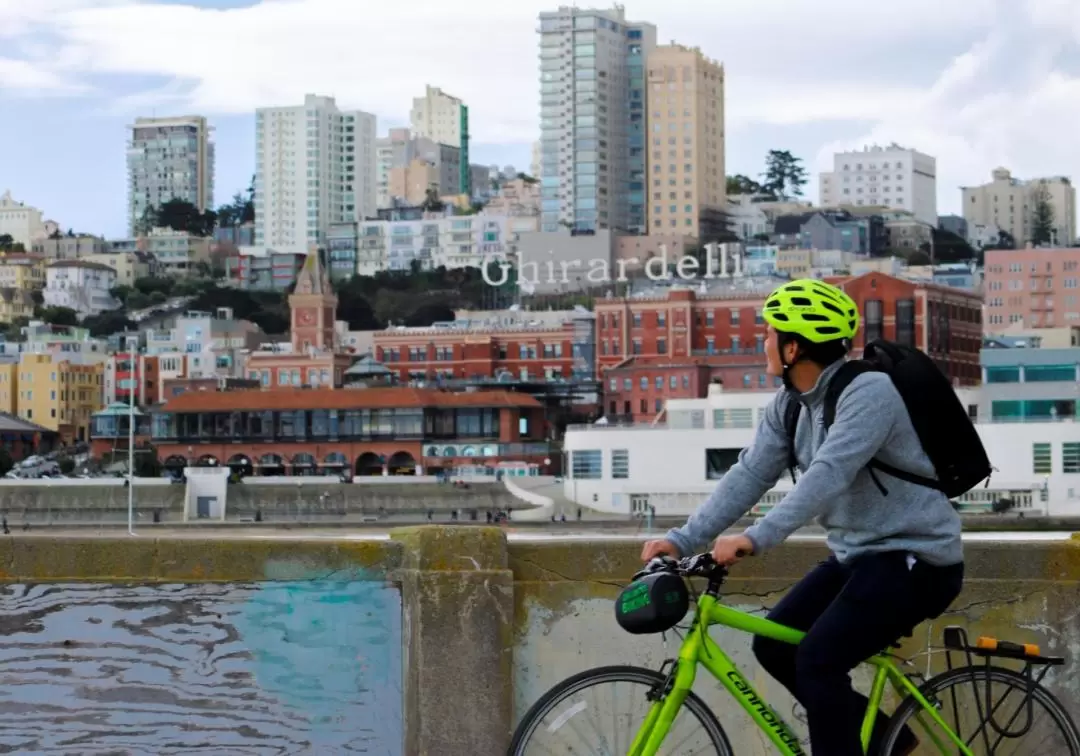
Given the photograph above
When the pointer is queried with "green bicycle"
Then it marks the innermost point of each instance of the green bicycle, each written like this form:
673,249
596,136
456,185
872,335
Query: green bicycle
557,722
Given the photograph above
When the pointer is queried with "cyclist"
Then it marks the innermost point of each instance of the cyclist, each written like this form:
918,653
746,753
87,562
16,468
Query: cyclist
896,558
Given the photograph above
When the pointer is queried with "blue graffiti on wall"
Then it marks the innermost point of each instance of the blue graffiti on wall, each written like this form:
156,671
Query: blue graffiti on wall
330,649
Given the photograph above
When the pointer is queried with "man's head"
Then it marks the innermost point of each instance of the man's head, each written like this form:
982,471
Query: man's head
809,320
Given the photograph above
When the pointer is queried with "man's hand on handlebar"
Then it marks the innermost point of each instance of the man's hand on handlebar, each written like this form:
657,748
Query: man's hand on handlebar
659,547
730,549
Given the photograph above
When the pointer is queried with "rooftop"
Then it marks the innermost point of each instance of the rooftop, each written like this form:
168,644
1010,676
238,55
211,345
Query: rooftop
370,398
12,424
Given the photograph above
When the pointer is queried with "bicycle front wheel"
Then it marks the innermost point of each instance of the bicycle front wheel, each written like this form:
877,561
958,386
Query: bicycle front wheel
584,714
995,711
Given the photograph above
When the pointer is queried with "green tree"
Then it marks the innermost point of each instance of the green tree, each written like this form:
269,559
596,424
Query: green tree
6,462
149,284
1042,216
66,465
121,292
184,216
8,244
136,300
740,184
108,323
147,221
784,175
432,203
13,330
240,210
947,248
61,316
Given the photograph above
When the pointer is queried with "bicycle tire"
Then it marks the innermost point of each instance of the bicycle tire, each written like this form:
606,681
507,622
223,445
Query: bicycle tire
599,675
909,707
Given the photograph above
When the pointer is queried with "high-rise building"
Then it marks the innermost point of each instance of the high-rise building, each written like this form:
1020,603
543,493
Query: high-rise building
314,165
1010,204
408,165
894,177
686,185
444,119
168,158
592,119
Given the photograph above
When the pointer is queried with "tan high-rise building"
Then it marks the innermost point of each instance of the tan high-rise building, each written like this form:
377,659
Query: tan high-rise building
686,185
1009,204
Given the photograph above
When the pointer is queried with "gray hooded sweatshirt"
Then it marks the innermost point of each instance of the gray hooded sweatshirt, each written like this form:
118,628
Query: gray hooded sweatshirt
835,487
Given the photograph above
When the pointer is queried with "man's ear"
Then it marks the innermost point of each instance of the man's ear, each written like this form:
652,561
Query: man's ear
790,352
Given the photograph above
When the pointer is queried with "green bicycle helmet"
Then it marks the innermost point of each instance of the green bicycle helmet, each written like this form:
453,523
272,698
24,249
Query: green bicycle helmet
812,309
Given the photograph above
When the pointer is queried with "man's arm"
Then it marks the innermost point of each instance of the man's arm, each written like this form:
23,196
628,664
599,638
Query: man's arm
760,465
865,415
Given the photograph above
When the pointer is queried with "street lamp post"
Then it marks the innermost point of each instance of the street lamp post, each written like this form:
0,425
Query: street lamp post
131,439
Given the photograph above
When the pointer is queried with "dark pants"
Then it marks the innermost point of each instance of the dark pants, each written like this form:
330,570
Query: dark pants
849,613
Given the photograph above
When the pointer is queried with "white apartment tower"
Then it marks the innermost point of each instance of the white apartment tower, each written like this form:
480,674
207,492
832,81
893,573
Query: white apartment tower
169,158
1009,203
592,119
444,120
894,177
314,166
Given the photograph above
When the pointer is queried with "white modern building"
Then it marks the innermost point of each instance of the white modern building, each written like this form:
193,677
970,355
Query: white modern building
894,177
671,467
20,221
314,165
84,287
445,120
168,158
469,241
592,119
1009,204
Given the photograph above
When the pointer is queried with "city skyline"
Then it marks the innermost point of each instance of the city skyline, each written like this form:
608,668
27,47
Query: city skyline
977,86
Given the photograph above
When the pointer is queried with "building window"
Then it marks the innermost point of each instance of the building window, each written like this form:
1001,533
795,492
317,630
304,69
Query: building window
1044,373
734,417
873,320
586,464
1070,457
1040,459
620,464
905,322
661,346
1003,374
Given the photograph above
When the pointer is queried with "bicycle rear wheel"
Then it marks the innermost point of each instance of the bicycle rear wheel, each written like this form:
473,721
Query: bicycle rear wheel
575,718
1019,718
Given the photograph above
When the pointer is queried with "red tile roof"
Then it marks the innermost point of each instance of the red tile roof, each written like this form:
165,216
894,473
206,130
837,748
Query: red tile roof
368,398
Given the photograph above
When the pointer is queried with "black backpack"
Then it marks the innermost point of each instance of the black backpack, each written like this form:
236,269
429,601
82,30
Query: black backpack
946,432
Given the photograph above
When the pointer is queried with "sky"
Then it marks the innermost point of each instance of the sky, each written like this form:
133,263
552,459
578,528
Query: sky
977,84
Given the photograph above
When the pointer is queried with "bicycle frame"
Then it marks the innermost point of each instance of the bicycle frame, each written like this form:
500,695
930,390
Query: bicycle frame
700,648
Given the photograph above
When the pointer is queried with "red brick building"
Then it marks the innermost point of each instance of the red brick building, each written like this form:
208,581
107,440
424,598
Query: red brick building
945,323
638,389
373,431
681,325
650,349
525,351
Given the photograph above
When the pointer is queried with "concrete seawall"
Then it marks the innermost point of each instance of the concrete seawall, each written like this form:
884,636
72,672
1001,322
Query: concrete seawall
75,501
432,643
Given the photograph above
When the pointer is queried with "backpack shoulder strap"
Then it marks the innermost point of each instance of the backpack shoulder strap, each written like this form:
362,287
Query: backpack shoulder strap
843,377
791,421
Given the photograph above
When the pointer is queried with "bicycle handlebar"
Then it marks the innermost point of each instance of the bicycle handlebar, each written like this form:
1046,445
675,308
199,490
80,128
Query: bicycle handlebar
697,565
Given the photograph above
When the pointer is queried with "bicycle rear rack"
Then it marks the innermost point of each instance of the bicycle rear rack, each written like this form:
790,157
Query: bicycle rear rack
989,649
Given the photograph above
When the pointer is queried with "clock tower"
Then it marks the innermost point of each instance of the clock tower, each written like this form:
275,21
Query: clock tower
314,307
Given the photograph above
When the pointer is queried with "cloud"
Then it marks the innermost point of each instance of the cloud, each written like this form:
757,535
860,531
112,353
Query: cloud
976,84
1001,103
20,75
